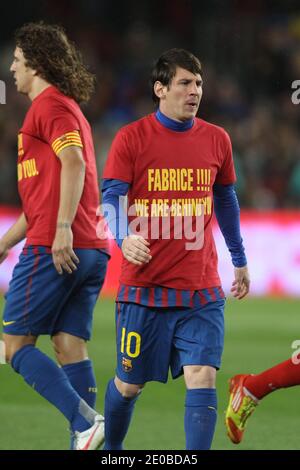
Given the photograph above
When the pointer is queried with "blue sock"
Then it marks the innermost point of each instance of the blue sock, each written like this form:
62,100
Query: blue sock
42,374
200,418
118,412
82,378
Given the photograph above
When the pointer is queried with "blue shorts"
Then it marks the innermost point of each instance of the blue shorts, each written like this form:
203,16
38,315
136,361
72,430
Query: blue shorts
40,301
151,340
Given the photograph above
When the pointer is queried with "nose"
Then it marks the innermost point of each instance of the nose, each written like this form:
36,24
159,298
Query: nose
194,89
12,67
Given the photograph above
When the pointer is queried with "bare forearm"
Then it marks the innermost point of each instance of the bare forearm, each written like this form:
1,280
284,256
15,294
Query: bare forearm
71,187
16,233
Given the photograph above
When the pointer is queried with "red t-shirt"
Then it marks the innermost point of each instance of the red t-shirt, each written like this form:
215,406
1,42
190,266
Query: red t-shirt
53,122
170,173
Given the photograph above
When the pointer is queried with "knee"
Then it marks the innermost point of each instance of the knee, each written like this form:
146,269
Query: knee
128,390
69,349
200,376
9,352
13,344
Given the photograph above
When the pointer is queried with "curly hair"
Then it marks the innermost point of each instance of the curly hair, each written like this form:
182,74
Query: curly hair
49,52
164,69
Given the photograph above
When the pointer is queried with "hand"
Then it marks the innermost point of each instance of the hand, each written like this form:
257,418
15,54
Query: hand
241,283
63,255
3,251
135,250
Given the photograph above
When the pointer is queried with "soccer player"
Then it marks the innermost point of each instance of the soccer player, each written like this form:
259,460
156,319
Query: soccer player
62,267
169,310
246,390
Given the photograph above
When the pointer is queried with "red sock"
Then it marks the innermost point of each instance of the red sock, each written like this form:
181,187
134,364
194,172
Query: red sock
286,374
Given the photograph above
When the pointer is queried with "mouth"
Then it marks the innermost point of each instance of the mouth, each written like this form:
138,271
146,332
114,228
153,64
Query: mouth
192,105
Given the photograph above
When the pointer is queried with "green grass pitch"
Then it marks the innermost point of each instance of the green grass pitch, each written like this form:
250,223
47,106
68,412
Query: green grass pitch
259,333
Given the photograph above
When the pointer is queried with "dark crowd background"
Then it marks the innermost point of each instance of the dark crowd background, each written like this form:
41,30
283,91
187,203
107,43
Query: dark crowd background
250,52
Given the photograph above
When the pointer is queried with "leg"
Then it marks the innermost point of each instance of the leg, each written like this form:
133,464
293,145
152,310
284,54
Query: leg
142,355
71,353
283,375
69,349
120,399
74,325
198,346
48,379
13,343
246,390
200,406
35,298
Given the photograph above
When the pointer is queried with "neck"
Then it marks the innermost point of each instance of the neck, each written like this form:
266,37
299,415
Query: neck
170,123
38,86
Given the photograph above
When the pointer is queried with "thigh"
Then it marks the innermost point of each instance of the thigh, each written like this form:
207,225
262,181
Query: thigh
34,294
199,337
76,316
39,300
143,343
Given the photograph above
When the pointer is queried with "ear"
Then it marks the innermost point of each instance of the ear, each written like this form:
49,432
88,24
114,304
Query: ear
160,90
31,71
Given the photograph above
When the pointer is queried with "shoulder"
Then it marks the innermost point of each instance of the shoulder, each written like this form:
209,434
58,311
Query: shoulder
56,103
215,131
134,134
140,125
55,110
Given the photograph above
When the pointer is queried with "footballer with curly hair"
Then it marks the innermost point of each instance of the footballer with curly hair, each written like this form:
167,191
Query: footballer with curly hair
62,267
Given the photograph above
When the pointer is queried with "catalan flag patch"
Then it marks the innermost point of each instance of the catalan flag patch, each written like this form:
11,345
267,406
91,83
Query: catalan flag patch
66,140
20,145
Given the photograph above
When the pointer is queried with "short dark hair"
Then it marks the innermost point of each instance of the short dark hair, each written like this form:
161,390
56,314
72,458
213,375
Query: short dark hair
56,59
164,69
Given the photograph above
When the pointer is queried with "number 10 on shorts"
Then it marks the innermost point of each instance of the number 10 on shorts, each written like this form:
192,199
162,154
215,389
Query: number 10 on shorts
130,343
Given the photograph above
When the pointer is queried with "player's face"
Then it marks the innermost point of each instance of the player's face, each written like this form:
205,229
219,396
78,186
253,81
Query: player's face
23,75
180,100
